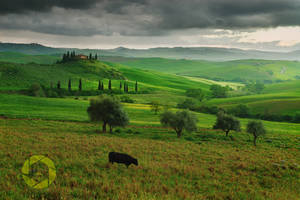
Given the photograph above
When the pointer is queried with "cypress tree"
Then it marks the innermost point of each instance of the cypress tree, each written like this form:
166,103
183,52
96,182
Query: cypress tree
102,86
90,57
109,84
68,55
120,85
96,57
69,85
125,87
80,85
136,86
99,85
58,85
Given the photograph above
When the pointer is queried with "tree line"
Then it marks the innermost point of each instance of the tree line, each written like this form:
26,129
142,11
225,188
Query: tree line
56,90
71,56
109,111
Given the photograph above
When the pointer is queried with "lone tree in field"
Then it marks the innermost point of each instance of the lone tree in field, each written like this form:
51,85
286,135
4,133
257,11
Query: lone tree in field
256,129
109,111
155,107
69,85
227,123
179,121
80,85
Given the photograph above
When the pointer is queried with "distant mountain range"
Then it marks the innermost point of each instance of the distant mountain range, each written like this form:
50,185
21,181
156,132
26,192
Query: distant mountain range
196,53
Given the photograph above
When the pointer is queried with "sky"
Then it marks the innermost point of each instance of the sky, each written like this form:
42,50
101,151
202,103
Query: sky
271,25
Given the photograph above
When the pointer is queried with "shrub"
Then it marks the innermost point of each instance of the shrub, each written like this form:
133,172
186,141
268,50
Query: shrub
240,110
126,99
195,93
190,104
36,90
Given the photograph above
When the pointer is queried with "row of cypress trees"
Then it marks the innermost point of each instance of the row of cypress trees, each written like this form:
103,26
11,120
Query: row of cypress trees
123,86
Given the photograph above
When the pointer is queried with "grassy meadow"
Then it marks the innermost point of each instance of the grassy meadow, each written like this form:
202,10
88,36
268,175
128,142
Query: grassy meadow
204,164
237,70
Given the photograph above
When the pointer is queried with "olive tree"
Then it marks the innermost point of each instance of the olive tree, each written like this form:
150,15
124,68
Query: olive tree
257,129
227,123
108,110
179,121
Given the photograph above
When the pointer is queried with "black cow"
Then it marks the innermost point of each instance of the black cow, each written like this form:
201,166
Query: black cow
121,158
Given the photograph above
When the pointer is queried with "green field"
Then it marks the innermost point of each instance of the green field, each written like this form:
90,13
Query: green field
24,58
278,98
204,164
240,70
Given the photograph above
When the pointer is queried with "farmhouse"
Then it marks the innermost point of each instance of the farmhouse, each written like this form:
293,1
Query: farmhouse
81,56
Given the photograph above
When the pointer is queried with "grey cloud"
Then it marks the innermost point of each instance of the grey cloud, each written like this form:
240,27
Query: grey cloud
22,6
144,17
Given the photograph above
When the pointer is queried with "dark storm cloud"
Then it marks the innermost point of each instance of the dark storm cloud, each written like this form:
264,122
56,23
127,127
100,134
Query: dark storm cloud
227,14
145,17
21,6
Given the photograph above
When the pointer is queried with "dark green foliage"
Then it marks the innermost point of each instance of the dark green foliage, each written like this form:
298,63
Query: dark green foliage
109,84
195,93
155,107
136,86
208,109
80,85
255,88
126,99
126,87
227,123
120,85
240,110
297,118
218,91
190,104
99,85
58,85
69,85
179,121
257,129
108,110
36,90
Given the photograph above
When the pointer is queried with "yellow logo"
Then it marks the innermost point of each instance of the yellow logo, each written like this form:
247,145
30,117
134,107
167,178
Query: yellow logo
27,172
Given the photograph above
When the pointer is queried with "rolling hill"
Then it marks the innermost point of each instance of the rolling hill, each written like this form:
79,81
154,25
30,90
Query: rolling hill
278,98
196,53
27,58
21,76
238,70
